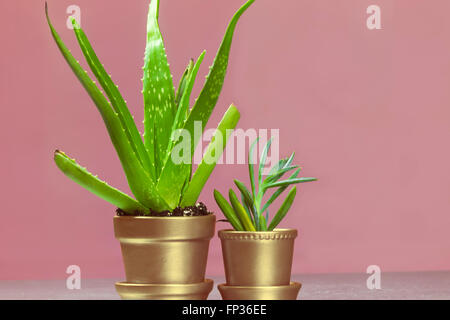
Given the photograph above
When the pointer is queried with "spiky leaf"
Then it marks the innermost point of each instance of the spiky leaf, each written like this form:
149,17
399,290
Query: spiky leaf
115,98
172,174
98,187
139,180
212,155
158,91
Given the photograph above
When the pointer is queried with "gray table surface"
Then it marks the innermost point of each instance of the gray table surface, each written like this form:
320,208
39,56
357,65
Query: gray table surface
414,285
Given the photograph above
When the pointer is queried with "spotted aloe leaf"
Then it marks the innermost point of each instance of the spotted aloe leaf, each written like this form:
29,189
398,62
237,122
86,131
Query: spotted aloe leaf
182,83
186,86
98,187
115,97
212,155
173,175
139,180
158,91
156,181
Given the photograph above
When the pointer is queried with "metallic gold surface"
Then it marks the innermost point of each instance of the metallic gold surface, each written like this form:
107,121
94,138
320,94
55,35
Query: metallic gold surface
195,291
262,258
164,250
288,292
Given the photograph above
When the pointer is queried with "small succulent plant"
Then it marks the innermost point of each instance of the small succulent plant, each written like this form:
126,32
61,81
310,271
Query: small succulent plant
251,214
157,182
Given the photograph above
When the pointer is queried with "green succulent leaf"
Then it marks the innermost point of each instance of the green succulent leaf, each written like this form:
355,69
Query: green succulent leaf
98,187
240,212
247,209
281,213
278,174
139,180
251,169
289,181
228,212
262,223
246,195
158,91
262,161
116,99
278,192
277,167
212,155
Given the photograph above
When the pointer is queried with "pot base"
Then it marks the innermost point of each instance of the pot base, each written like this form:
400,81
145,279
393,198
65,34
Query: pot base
288,292
141,291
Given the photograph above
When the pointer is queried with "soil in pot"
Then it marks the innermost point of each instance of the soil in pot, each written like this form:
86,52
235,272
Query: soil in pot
191,211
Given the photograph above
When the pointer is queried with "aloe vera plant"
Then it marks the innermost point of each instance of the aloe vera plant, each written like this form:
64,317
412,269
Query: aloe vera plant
251,214
157,182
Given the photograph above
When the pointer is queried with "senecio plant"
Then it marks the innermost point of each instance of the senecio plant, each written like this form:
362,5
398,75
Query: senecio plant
252,214
157,182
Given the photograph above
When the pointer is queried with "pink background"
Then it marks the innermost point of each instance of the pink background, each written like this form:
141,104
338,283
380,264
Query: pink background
367,112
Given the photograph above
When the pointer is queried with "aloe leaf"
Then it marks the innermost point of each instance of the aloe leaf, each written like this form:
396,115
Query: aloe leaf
212,155
98,187
227,210
262,161
281,213
158,91
289,181
182,83
240,212
139,180
209,95
183,105
279,191
183,108
115,98
172,175
251,169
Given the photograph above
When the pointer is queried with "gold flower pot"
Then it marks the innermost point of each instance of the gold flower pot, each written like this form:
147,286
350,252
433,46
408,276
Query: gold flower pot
164,256
258,264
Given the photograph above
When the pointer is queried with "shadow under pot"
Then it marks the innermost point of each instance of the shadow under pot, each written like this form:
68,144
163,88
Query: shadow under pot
164,257
258,265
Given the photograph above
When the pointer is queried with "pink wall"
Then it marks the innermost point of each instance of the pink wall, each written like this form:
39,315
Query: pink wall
367,112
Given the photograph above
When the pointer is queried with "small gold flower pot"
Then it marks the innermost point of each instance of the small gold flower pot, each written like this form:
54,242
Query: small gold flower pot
162,251
258,264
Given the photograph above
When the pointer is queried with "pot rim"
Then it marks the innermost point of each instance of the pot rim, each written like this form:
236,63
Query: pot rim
276,230
208,216
282,233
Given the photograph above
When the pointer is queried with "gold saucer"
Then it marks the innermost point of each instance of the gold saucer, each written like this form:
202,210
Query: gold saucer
142,291
288,292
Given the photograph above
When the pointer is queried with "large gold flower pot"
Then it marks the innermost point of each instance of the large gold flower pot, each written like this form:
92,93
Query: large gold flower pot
258,264
162,251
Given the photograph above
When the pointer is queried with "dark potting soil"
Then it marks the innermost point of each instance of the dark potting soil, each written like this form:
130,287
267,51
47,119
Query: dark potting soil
198,210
